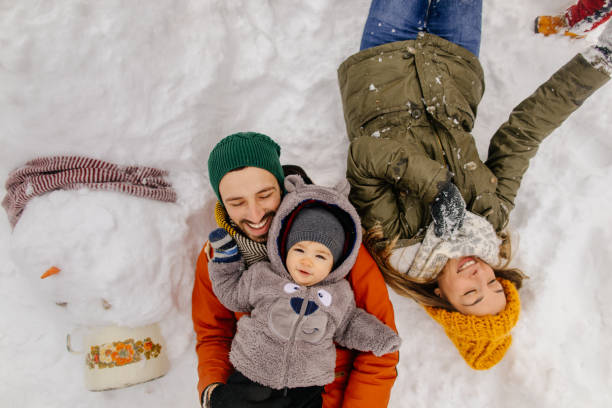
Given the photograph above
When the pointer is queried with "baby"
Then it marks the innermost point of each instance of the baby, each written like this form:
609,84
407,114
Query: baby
299,301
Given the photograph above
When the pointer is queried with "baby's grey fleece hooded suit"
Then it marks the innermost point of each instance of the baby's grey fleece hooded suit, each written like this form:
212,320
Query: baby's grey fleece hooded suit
287,341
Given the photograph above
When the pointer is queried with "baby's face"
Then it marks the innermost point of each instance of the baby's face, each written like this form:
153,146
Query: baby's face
309,262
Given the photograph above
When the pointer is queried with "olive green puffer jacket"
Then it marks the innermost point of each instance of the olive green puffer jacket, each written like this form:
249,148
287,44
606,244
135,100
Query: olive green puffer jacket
409,107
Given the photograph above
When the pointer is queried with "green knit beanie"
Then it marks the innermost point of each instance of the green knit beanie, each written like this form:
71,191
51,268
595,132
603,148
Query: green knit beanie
244,149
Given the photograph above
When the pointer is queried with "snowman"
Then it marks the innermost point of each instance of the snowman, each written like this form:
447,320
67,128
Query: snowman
115,253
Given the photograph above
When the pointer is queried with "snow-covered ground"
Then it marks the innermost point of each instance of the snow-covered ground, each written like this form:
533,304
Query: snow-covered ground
159,83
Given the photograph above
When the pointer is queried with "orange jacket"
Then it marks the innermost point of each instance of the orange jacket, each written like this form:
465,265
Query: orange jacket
362,379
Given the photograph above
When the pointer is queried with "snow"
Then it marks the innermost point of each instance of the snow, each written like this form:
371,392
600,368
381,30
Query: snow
158,84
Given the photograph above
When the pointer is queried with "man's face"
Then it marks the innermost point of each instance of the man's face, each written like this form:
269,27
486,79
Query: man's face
251,196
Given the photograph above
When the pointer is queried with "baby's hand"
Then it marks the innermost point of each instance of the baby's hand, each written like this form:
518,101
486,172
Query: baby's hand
224,245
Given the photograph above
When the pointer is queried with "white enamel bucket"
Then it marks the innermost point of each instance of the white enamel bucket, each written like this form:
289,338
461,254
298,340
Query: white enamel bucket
117,357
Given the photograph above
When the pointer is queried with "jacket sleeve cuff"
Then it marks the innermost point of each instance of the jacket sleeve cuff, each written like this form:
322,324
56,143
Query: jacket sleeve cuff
205,397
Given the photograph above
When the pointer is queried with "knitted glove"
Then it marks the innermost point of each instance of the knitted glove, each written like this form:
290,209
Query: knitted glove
605,38
600,54
246,395
447,210
224,245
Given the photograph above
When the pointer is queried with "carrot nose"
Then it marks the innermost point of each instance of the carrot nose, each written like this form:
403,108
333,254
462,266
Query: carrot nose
51,271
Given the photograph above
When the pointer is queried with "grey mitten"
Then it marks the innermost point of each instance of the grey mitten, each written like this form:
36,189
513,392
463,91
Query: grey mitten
388,341
224,245
600,54
605,38
364,332
447,210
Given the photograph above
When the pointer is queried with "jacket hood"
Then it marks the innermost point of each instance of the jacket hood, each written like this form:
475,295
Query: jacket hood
299,196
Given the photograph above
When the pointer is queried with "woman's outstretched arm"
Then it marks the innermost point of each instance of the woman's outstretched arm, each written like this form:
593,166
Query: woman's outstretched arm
517,140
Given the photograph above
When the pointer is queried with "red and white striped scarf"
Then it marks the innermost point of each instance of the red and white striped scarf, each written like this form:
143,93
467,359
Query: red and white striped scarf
46,174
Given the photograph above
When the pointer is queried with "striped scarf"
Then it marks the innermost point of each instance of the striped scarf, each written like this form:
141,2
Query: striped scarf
251,251
46,174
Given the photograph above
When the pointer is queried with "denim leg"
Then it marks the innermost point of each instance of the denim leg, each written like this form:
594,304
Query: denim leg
393,20
458,21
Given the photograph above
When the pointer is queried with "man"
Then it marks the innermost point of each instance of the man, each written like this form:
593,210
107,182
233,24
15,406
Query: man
247,177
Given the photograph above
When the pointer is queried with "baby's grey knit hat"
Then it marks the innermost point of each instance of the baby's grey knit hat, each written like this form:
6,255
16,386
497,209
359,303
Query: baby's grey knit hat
319,225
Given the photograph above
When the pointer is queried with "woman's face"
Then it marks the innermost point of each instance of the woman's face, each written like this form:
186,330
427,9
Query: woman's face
469,284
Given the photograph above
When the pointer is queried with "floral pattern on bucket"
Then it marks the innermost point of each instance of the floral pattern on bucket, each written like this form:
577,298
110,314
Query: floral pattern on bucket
120,353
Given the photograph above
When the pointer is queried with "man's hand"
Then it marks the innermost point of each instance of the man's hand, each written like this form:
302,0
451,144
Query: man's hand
246,395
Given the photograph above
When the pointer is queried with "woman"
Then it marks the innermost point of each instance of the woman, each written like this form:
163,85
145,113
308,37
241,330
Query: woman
435,214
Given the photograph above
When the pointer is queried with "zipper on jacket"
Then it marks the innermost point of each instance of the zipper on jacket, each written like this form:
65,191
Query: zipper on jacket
292,338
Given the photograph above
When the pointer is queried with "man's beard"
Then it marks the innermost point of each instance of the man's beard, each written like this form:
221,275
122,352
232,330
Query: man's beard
257,238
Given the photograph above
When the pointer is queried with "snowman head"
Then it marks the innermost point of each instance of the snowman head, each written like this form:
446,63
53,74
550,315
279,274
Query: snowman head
106,257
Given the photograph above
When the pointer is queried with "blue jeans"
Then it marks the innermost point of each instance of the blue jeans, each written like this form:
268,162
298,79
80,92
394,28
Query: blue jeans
458,21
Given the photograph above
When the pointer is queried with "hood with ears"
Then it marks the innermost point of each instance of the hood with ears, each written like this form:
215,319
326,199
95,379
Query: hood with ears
299,196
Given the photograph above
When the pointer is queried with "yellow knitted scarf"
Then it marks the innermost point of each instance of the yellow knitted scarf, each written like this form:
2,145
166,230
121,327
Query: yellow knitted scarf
222,219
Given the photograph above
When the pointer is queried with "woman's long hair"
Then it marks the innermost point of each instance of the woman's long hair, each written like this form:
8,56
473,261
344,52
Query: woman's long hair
423,293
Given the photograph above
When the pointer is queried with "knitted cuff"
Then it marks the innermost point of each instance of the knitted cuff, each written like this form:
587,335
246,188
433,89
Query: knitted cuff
600,57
